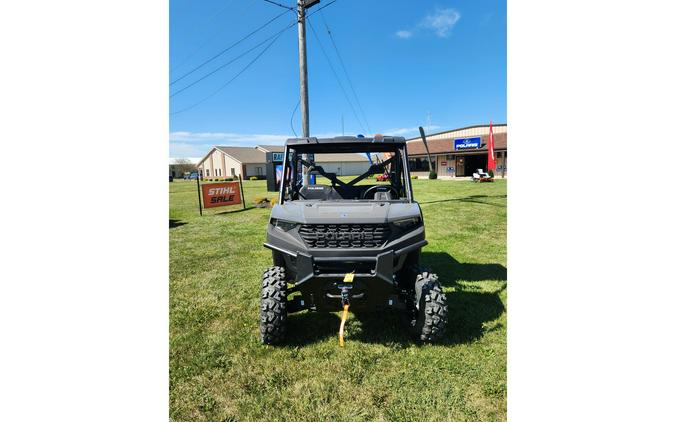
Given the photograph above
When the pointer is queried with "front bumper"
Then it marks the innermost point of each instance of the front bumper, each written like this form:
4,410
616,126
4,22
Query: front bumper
318,272
307,266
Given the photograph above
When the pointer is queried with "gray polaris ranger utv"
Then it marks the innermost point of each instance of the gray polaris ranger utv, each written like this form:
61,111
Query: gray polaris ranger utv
341,244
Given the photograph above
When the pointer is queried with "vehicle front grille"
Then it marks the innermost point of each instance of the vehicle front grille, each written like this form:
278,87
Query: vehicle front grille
344,235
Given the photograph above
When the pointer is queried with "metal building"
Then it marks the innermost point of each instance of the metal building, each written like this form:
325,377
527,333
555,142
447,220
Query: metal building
458,152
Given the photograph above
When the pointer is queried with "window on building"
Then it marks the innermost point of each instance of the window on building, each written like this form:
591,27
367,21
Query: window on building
207,172
258,171
419,164
232,171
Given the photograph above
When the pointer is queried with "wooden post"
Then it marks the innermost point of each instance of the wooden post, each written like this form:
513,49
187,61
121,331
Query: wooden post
199,196
241,189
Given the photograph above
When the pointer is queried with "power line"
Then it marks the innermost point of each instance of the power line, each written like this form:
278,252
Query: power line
344,68
279,4
278,35
209,39
337,78
233,78
293,115
321,8
231,61
230,47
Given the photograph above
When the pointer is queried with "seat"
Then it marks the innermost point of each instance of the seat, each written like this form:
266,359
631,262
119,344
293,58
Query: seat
481,176
349,192
382,196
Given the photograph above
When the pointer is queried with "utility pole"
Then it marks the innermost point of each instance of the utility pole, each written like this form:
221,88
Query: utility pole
303,5
302,57
304,94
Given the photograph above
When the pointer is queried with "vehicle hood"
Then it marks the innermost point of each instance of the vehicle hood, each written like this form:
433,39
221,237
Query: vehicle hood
344,212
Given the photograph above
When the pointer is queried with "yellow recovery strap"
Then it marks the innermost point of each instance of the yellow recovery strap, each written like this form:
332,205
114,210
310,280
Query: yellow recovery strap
342,325
349,278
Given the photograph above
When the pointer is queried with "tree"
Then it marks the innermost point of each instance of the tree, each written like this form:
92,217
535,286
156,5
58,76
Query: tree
183,165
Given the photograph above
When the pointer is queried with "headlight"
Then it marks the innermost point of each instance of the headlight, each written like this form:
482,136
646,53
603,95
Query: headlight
283,224
407,223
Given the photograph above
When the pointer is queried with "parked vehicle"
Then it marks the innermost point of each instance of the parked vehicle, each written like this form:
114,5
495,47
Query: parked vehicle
348,245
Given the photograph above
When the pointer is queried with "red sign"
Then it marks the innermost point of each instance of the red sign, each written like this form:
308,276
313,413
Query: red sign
221,194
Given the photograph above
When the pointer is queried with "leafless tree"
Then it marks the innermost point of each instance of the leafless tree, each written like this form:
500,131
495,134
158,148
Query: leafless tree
183,165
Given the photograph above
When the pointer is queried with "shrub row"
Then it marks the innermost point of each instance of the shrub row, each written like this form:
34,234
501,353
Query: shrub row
220,179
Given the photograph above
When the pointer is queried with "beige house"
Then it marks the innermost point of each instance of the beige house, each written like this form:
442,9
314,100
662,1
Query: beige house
224,161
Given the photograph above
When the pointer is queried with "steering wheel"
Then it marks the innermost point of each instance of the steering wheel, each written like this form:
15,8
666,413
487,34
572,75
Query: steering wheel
377,187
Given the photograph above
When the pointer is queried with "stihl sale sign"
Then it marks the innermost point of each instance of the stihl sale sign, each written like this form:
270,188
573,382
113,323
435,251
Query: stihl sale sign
221,194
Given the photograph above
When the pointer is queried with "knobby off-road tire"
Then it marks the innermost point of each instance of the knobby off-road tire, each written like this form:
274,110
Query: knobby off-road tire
273,313
431,310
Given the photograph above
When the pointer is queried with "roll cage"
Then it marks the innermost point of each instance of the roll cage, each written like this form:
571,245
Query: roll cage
393,163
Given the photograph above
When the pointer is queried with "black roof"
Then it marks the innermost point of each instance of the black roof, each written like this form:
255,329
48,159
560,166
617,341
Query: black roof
346,140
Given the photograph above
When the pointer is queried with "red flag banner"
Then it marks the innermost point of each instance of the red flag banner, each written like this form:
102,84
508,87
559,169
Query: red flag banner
221,194
492,165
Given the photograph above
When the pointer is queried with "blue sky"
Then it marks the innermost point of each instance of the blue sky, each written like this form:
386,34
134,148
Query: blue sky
440,64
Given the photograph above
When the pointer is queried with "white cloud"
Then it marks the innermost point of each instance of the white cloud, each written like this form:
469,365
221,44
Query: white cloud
403,131
181,150
197,144
227,137
441,21
404,34
330,135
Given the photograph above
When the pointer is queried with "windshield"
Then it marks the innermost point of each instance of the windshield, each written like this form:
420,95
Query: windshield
346,172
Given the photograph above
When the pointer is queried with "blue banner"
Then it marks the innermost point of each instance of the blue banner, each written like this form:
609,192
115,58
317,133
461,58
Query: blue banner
467,143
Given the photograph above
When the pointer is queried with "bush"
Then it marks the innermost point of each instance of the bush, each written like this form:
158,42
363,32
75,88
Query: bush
229,179
413,177
433,175
253,178
491,173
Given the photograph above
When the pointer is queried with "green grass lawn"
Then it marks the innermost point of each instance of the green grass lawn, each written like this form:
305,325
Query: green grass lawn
219,371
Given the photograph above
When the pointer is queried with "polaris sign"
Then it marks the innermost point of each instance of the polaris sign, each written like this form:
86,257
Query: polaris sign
467,143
